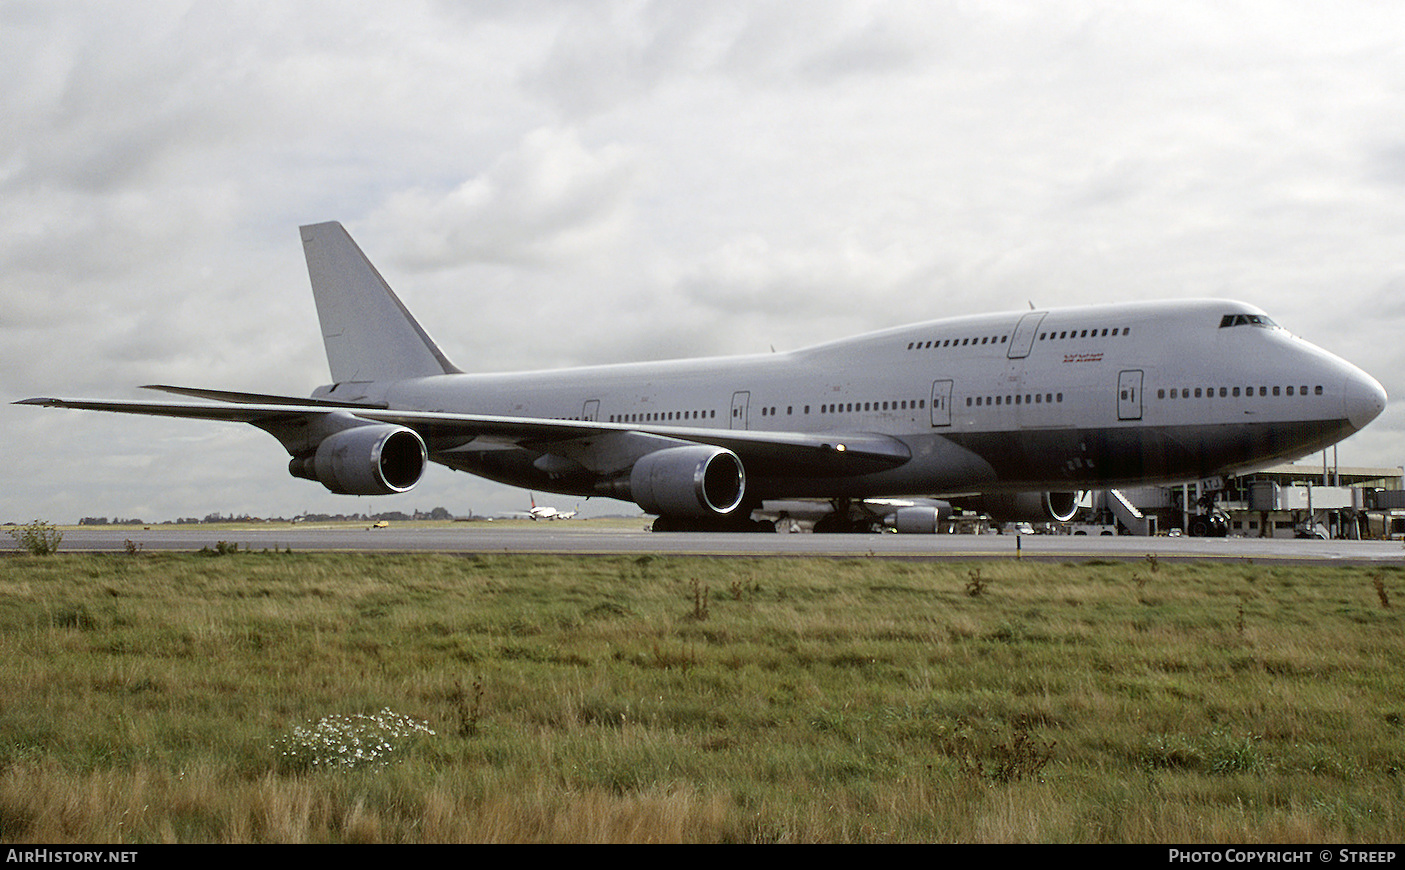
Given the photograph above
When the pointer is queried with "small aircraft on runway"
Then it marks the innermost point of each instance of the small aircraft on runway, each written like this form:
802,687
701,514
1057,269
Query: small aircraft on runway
544,512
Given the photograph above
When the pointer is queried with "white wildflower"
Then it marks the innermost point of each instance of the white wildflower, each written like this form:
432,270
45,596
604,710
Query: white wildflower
351,742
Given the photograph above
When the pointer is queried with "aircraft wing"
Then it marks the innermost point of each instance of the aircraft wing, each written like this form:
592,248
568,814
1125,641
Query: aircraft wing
816,454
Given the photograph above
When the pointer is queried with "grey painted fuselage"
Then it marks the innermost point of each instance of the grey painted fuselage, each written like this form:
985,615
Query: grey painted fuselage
1056,400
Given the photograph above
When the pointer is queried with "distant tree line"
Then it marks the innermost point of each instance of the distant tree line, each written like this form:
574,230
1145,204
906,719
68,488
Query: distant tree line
438,513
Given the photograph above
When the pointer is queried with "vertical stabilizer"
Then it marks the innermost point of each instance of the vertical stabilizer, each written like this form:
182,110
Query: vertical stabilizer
369,334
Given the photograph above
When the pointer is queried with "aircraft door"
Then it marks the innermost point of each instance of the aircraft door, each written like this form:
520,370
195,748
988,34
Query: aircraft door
591,411
941,403
1025,330
741,401
1129,395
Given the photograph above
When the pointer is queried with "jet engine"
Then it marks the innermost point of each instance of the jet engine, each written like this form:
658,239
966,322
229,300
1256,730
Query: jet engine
1027,507
918,519
697,482
365,460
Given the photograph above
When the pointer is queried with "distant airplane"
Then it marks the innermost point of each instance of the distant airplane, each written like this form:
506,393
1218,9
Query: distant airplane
543,512
1019,410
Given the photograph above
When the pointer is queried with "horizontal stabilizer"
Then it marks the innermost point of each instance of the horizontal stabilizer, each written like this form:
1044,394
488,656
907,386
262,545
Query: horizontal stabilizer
257,398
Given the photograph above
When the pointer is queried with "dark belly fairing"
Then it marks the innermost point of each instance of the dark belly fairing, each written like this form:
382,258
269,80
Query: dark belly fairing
1047,459
1145,454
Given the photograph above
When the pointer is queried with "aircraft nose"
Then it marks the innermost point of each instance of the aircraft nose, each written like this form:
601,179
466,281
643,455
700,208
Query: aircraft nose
1364,400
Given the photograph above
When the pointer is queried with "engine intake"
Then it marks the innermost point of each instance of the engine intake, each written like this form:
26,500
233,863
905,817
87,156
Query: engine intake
697,482
365,460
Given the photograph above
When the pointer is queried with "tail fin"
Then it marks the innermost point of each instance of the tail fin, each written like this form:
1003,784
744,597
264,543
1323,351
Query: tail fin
369,334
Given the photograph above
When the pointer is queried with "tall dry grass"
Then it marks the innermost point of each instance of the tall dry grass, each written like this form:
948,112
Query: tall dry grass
152,697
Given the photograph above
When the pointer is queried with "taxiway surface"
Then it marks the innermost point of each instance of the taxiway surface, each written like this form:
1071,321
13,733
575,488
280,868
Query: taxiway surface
616,538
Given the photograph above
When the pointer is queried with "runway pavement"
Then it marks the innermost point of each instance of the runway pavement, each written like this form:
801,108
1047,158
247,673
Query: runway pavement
617,537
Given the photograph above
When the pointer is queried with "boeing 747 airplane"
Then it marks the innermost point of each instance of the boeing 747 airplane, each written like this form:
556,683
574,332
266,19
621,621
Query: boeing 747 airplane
1022,410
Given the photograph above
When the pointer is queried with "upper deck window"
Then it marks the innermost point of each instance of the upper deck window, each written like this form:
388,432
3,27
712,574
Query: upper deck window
1246,320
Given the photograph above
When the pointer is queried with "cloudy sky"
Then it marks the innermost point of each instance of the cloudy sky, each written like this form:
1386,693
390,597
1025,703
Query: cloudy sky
556,183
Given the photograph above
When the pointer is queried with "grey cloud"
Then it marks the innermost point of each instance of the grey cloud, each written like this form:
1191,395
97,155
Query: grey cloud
555,183
548,198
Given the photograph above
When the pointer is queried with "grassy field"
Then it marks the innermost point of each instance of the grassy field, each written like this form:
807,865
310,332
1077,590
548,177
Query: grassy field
276,697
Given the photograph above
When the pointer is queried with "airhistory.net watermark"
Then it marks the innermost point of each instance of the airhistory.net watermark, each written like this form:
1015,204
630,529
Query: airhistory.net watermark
69,856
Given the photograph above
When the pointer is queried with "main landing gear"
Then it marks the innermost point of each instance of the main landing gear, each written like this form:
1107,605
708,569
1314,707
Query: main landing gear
840,521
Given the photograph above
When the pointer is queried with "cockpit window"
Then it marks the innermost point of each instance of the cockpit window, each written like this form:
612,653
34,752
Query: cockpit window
1245,320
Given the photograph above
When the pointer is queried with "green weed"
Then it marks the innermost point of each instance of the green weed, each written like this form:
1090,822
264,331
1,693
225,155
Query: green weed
37,538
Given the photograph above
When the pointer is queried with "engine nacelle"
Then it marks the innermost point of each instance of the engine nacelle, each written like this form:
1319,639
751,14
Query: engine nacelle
917,519
1028,507
695,482
365,460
